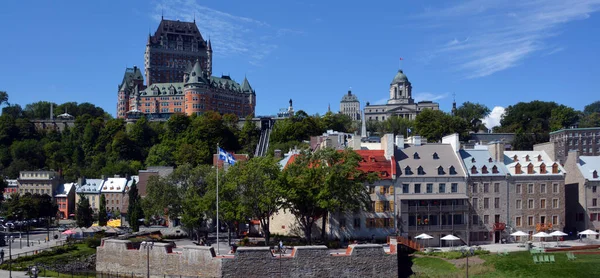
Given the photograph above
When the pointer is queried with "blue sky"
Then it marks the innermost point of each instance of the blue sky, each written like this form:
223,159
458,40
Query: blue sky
493,52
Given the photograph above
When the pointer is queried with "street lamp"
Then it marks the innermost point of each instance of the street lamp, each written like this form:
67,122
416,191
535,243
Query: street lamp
148,245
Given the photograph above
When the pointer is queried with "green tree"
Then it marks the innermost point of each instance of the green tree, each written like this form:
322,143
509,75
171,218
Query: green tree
473,114
591,108
563,117
259,184
435,124
395,125
528,117
337,122
84,216
4,98
102,215
134,211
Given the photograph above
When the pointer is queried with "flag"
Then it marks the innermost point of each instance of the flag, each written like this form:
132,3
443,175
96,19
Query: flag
226,157
401,58
230,159
408,129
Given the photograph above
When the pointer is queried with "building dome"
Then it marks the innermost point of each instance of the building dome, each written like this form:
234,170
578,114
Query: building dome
400,77
349,97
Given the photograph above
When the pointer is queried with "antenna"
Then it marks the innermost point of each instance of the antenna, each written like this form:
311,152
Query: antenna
162,14
194,16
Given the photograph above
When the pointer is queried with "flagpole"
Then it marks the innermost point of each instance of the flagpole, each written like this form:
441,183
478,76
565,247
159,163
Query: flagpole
218,199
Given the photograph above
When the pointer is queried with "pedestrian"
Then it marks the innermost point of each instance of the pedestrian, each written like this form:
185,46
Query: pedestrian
2,255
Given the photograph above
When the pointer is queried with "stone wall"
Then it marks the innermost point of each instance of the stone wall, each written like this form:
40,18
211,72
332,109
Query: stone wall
368,260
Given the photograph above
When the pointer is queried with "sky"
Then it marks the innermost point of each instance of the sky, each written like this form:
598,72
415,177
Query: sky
492,52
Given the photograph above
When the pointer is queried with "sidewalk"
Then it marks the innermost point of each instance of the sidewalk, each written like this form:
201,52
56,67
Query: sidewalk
15,274
26,251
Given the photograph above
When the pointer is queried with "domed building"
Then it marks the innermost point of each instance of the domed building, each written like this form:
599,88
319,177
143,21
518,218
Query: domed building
400,103
350,106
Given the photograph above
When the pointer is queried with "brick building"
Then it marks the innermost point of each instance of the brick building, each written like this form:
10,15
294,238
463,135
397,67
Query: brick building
178,67
584,140
65,199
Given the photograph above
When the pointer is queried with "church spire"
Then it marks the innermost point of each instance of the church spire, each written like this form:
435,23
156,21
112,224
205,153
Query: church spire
453,104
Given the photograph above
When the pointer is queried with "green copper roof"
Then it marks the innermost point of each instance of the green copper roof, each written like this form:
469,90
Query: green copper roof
400,77
246,88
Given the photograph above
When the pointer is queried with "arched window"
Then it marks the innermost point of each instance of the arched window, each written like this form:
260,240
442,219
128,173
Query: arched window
495,170
530,168
474,169
440,170
543,168
518,169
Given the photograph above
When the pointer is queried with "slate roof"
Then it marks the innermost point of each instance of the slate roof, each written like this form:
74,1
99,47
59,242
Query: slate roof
587,165
479,159
536,158
424,158
91,186
63,189
114,185
349,97
175,28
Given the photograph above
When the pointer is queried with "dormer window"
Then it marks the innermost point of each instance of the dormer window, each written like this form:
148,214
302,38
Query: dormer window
595,174
416,156
435,156
440,170
527,158
515,158
490,160
407,171
420,171
543,168
452,170
555,168
484,169
494,169
530,168
518,169
539,157
474,170
473,160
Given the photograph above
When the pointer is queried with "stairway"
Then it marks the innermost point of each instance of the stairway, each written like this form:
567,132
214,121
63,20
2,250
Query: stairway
263,142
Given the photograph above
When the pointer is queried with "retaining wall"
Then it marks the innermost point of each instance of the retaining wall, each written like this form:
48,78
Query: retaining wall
368,260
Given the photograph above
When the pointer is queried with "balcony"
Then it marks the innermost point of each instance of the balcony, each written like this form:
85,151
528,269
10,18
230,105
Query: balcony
499,226
437,208
438,227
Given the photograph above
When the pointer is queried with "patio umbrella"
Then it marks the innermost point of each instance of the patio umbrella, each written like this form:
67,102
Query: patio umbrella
557,233
542,235
450,238
423,236
68,232
588,233
519,234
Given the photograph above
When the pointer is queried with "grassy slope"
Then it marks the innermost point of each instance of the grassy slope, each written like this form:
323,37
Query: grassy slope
432,267
25,262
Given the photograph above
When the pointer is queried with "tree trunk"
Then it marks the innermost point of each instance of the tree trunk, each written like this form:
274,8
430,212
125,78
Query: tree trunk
229,233
324,226
308,232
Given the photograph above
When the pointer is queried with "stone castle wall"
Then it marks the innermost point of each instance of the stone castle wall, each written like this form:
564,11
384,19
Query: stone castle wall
124,257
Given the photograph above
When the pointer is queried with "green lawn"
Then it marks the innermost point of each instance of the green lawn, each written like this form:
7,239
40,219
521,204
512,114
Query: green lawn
516,264
50,258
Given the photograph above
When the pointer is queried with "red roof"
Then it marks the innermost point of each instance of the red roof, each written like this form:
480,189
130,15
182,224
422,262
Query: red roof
372,161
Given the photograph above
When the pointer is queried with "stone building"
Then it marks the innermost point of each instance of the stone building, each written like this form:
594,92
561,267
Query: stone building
400,103
90,189
350,106
584,140
583,176
537,190
114,191
488,194
41,182
178,65
431,189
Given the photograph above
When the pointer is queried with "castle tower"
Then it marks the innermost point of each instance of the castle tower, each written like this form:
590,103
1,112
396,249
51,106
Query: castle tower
131,79
400,90
196,84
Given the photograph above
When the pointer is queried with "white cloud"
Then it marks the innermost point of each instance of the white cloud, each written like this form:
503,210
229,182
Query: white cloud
429,96
493,119
229,34
501,34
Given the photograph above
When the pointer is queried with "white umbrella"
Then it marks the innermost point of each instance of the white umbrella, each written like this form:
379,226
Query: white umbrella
450,238
520,234
423,236
588,233
542,235
557,233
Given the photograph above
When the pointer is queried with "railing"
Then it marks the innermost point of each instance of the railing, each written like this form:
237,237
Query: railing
409,243
437,227
437,208
263,142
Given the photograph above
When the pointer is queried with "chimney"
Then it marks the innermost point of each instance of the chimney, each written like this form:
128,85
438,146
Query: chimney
81,181
400,141
117,176
497,151
387,144
417,140
103,177
277,153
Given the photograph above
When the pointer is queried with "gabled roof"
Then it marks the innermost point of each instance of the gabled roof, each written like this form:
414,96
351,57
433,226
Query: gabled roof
479,159
63,189
587,165
446,158
534,160
91,186
114,185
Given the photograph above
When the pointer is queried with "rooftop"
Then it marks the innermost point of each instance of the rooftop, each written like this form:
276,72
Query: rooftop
530,163
430,160
90,186
481,158
62,190
588,165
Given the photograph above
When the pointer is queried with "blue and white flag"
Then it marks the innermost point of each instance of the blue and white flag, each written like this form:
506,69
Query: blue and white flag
226,157
408,129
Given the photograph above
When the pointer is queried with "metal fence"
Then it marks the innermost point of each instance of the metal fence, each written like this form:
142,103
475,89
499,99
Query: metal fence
29,253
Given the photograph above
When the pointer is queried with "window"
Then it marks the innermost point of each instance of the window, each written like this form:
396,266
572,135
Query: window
405,188
417,188
530,188
484,170
440,170
543,203
452,170
430,188
594,202
475,187
517,168
530,203
474,203
496,202
420,171
388,222
519,204
496,187
494,169
343,223
357,223
518,221
442,188
554,219
454,187
594,189
486,219
416,155
486,188
473,170
407,171
486,203
373,206
435,156
593,216
370,223
555,203
371,189
555,188
518,188
475,219
386,206
543,188
530,221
